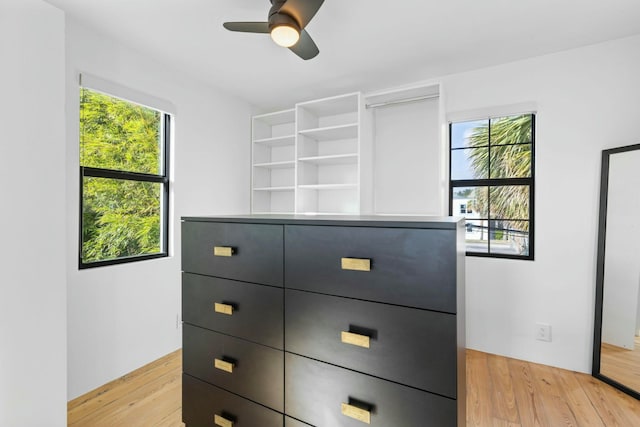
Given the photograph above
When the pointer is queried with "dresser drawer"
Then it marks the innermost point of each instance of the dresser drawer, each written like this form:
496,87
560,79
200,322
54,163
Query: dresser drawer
247,252
290,422
245,310
250,370
201,402
409,346
410,267
317,393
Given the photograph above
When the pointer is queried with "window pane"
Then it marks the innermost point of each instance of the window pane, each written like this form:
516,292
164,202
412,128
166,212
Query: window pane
470,134
511,161
509,202
119,135
477,236
494,158
473,199
511,130
509,237
120,218
469,163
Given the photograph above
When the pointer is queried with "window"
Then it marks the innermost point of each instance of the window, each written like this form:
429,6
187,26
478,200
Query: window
124,183
492,175
463,208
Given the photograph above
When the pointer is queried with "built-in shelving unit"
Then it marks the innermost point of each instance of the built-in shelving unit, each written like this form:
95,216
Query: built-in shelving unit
284,188
273,162
334,159
278,141
328,186
320,156
328,149
309,160
276,165
329,133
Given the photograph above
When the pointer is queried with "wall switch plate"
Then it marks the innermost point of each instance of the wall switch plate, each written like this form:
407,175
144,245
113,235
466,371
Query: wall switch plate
543,332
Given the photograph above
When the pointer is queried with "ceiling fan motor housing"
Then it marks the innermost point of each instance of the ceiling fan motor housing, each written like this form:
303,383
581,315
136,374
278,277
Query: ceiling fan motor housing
279,19
276,5
286,24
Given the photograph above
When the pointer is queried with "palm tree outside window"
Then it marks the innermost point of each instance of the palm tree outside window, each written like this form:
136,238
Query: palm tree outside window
492,175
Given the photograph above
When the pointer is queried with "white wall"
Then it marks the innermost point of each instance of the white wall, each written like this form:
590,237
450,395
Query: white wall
122,317
32,273
587,101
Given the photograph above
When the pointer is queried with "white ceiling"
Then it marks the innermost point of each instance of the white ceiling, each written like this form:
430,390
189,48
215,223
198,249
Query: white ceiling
364,44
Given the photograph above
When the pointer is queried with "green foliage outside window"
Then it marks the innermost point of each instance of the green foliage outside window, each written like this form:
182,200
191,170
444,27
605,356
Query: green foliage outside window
510,158
120,217
492,169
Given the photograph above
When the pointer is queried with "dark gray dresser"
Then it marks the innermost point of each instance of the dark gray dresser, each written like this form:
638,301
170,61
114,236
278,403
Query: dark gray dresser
324,321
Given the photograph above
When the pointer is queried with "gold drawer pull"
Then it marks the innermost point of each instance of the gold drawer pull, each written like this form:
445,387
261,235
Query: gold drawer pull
223,308
221,421
354,339
357,264
223,251
223,365
356,413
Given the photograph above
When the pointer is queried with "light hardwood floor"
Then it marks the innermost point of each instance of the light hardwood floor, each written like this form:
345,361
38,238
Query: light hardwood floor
510,392
500,392
621,364
147,397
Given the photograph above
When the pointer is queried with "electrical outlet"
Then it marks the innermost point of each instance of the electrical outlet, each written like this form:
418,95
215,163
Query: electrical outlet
543,332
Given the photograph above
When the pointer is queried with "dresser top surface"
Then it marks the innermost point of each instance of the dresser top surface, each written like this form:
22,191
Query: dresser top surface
450,223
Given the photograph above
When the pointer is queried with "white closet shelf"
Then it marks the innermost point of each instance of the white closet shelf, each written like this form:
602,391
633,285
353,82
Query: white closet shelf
276,165
277,117
328,133
340,104
334,159
287,188
276,141
328,186
307,158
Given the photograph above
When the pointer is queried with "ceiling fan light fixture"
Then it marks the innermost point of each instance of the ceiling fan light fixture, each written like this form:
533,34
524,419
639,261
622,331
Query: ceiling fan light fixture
286,25
285,35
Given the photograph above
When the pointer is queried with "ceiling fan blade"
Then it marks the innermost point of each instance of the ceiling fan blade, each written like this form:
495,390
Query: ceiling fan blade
306,47
301,10
247,27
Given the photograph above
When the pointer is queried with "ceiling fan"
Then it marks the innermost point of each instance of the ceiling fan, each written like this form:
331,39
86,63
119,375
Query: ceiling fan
286,23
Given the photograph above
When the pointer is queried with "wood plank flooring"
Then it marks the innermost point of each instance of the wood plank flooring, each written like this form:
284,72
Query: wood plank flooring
501,392
621,364
149,396
538,395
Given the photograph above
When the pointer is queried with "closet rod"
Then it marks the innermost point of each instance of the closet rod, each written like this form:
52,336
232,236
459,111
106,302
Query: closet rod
402,101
